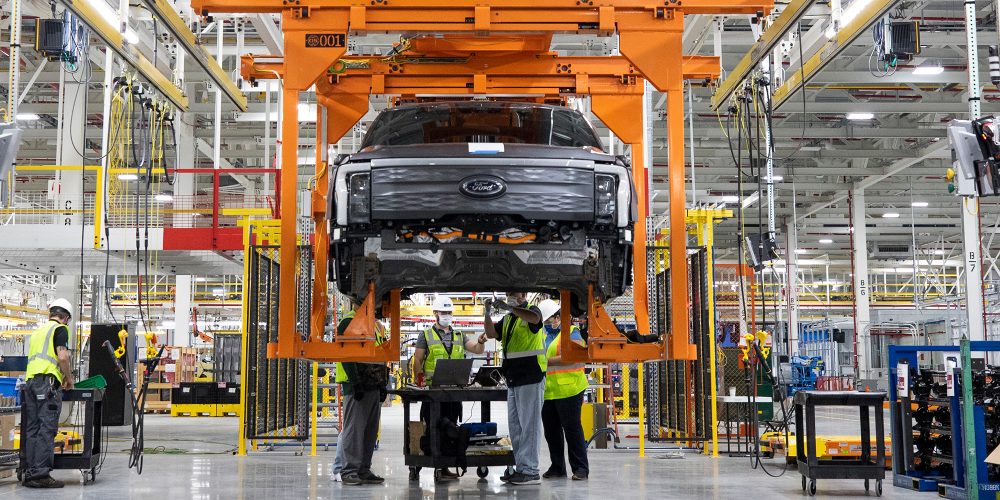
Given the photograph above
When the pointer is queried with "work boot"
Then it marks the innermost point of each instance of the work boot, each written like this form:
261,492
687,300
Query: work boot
580,476
521,478
446,473
367,477
43,482
352,479
552,473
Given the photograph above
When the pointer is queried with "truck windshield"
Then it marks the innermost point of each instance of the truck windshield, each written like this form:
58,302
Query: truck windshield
458,122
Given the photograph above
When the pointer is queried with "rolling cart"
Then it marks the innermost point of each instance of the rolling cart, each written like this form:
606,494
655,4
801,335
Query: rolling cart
87,460
434,396
811,467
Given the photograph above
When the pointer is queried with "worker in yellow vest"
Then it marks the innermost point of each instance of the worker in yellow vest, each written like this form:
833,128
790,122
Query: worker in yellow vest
442,341
364,388
521,337
565,384
47,375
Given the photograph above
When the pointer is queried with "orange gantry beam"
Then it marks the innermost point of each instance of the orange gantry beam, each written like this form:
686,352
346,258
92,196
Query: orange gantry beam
315,37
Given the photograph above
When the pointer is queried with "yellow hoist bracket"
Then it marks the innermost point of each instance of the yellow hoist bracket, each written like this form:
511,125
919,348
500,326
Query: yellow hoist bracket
763,340
120,351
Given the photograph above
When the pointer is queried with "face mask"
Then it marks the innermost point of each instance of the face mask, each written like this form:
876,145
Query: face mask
444,320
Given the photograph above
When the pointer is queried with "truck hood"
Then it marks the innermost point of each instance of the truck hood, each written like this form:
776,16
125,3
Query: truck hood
459,150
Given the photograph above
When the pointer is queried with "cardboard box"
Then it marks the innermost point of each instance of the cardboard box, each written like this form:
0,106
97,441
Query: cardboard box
994,457
417,430
7,432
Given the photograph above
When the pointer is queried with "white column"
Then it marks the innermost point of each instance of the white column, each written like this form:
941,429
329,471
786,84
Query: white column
971,246
862,307
182,311
184,183
72,119
792,286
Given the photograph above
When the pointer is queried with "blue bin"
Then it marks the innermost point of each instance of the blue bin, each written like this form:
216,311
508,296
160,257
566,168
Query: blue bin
8,387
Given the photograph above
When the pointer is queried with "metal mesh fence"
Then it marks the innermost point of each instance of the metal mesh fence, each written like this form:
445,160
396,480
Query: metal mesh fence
278,390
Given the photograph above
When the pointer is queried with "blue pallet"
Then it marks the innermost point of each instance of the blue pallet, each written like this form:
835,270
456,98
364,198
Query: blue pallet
914,483
8,388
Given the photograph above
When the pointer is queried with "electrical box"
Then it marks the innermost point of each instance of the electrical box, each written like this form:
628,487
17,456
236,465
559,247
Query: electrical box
904,39
975,146
49,38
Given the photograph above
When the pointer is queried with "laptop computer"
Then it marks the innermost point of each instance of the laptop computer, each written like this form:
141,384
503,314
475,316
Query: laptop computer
452,373
488,376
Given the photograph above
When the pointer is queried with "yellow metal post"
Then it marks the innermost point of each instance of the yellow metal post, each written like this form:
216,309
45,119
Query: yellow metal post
315,406
241,448
642,408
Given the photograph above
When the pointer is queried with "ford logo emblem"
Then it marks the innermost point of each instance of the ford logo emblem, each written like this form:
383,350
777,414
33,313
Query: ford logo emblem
482,186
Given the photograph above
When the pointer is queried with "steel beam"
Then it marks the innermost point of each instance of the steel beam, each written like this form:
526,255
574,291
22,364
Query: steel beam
830,50
788,18
179,29
115,41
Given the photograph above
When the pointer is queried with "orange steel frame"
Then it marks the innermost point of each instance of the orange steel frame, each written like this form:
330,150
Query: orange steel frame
649,39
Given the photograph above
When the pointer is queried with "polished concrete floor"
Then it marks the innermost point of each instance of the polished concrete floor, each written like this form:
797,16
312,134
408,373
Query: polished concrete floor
196,460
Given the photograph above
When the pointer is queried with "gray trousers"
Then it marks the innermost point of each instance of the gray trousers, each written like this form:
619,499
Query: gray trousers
360,432
41,401
524,420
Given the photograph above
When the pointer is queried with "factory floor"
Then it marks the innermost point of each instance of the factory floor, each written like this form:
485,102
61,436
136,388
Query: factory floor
195,460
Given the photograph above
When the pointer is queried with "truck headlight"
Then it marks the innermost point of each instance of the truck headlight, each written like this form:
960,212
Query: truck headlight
359,203
605,197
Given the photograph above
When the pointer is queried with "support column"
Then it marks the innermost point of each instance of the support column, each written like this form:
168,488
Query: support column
184,182
182,311
792,285
971,244
72,120
679,314
862,307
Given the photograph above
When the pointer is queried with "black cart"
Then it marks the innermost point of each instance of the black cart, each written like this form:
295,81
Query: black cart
811,467
434,397
87,460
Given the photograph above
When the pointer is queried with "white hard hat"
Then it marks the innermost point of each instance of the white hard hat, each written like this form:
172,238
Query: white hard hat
548,308
443,304
62,304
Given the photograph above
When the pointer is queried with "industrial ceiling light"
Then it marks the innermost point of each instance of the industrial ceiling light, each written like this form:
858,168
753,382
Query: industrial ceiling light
800,251
128,177
730,199
163,198
860,116
26,117
928,70
777,178
111,16
890,215
826,241
919,204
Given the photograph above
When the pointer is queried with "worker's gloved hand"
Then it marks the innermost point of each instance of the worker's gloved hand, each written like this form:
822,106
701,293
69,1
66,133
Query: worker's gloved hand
420,380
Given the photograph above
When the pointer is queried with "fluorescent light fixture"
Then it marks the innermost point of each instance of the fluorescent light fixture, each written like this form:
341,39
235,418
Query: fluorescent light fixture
852,11
826,241
777,178
811,148
750,200
928,70
800,251
730,199
218,291
201,278
890,215
163,197
128,177
111,16
919,204
860,116
26,117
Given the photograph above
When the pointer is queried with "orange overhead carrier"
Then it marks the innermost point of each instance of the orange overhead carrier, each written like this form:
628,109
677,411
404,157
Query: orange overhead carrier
315,37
